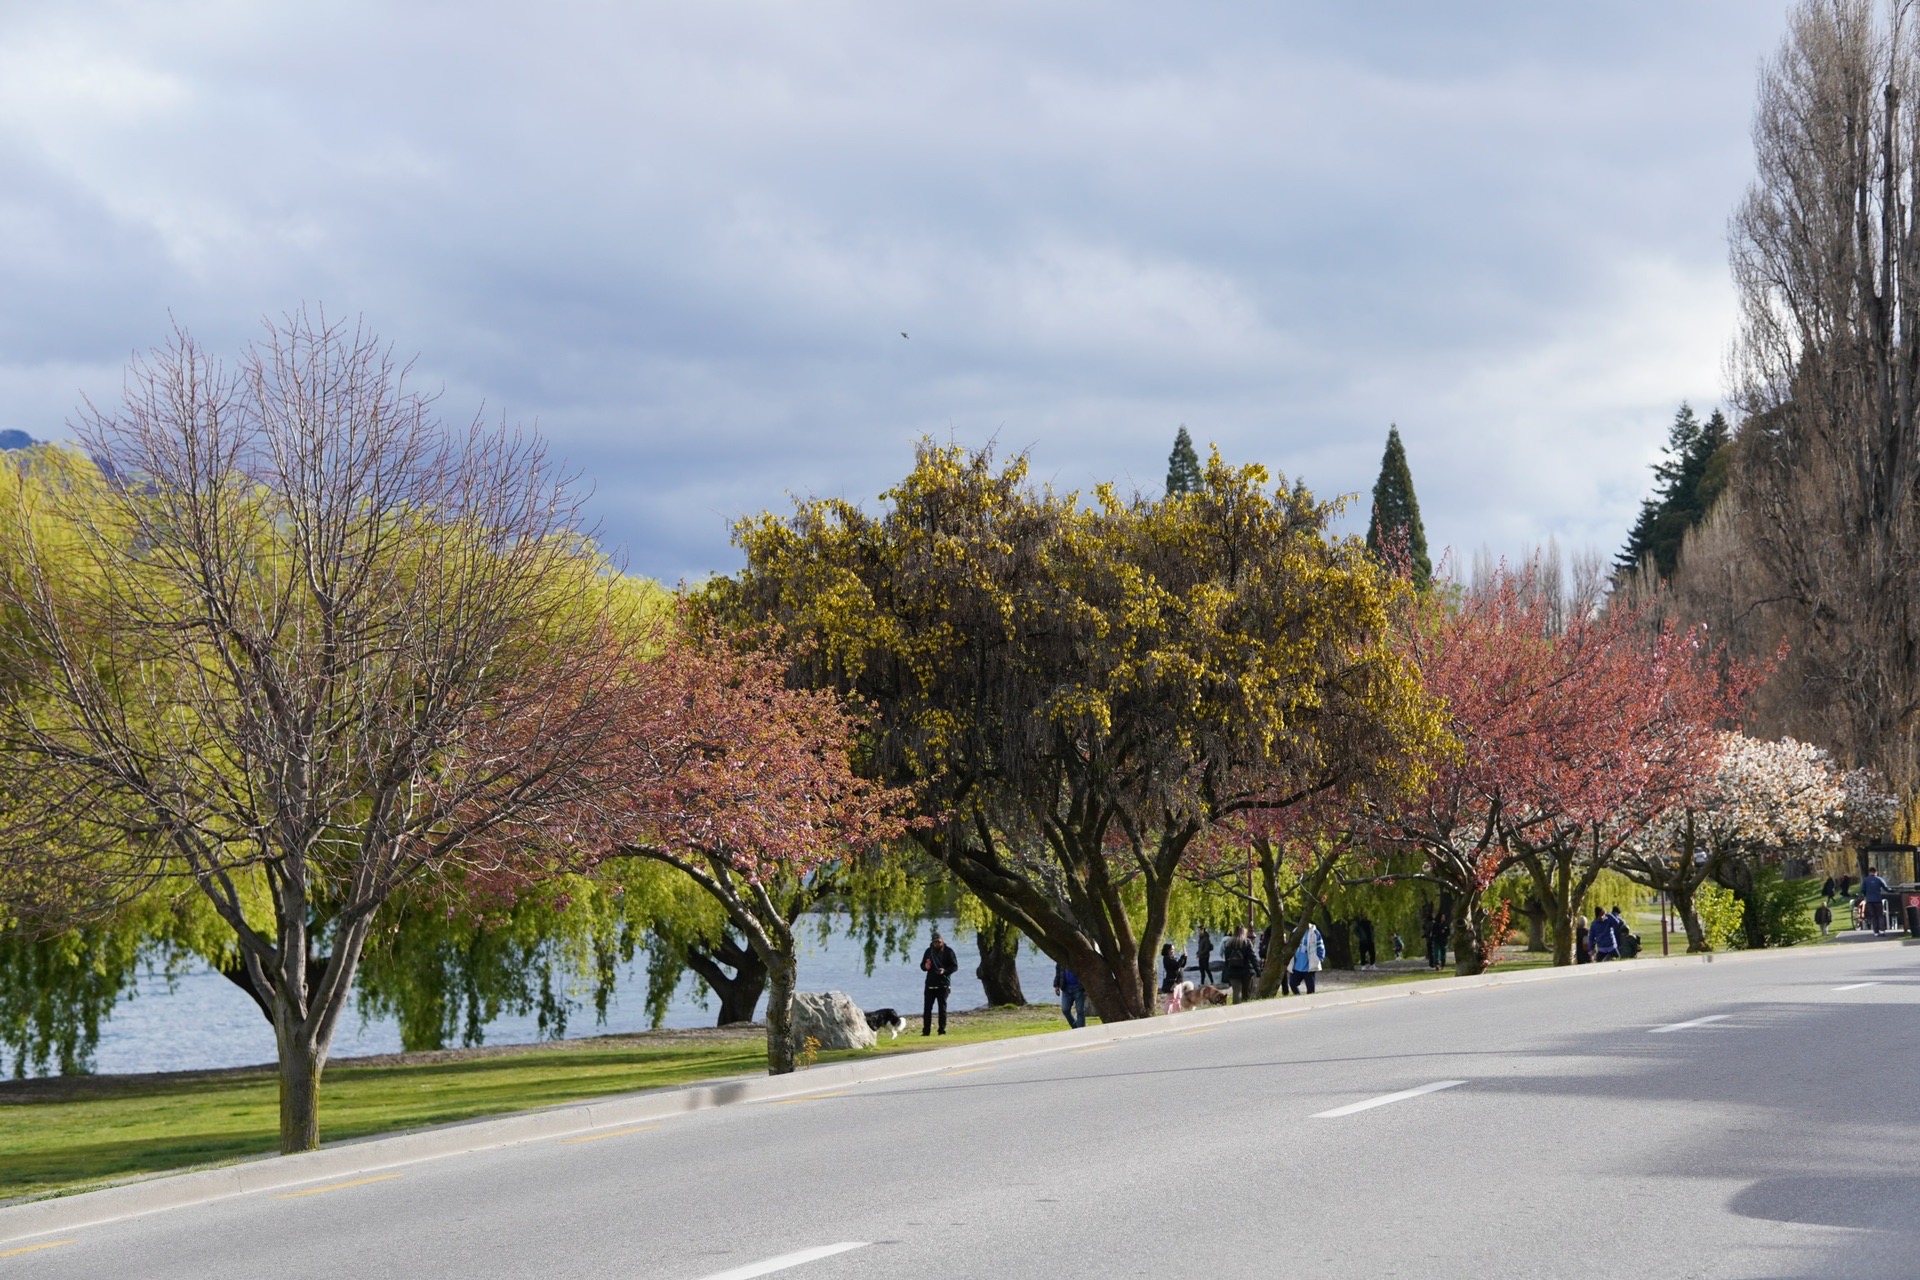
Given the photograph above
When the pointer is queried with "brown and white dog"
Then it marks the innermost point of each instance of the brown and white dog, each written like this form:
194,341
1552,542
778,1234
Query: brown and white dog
1187,996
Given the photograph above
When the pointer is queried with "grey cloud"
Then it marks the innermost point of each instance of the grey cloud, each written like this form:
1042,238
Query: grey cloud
684,239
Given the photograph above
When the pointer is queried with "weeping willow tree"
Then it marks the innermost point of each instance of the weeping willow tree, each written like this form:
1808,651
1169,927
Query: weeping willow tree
444,969
875,901
56,991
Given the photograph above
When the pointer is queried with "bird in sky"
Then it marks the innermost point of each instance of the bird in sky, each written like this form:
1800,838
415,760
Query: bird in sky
903,335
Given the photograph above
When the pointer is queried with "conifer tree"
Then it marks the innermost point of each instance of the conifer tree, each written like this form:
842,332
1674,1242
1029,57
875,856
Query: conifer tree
1396,511
1687,481
1183,465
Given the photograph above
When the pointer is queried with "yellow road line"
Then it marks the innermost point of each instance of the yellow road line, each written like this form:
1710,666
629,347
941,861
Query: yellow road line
812,1097
617,1133
1198,1031
336,1186
1098,1048
35,1248
967,1071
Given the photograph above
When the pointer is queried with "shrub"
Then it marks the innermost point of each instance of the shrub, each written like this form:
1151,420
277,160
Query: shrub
1721,915
1785,907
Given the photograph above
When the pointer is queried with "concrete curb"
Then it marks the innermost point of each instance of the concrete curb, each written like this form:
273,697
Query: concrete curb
373,1155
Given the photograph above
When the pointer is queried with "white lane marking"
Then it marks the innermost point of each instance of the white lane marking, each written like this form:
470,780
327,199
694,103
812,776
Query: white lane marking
1691,1022
1855,986
1384,1099
786,1260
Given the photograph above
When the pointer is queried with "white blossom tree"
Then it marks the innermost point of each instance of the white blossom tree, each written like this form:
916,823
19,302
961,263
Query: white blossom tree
1764,801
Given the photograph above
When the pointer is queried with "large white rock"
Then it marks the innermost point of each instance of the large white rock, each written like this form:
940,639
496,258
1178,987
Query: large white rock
830,1017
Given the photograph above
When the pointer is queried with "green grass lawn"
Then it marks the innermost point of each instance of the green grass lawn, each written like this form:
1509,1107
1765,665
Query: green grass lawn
67,1134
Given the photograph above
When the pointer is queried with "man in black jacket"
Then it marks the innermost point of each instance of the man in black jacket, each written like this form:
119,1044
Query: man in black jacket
940,964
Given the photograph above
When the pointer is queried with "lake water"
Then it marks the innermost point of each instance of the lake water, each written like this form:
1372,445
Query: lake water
205,1021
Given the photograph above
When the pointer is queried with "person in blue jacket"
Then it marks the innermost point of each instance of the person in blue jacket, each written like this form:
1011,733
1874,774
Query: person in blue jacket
1308,958
1874,890
1073,996
1603,935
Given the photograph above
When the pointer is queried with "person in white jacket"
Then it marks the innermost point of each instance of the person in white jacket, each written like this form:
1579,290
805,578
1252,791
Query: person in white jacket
1308,957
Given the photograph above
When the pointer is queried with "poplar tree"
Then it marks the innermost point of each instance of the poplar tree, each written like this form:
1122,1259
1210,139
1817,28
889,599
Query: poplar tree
1396,511
1183,465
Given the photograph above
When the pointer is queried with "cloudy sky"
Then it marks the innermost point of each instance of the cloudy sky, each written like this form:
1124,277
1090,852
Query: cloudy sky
685,239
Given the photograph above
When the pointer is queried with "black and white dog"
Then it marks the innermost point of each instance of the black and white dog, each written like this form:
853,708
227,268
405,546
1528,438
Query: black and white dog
887,1020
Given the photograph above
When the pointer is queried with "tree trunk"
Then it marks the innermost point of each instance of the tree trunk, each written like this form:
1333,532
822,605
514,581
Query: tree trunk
1090,929
1681,895
1469,933
782,974
1753,922
739,991
1287,941
300,1066
999,969
1113,990
1536,915
1552,873
1272,977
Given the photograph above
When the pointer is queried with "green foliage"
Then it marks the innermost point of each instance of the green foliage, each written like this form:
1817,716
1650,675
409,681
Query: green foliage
1784,907
1393,906
55,992
1395,528
1689,479
881,900
1721,915
1183,466
444,969
1076,690
1611,889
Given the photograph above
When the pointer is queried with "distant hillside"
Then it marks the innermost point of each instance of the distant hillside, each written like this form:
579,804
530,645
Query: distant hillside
16,440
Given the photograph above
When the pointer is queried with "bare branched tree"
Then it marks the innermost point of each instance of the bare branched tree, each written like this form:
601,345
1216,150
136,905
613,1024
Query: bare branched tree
1826,260
291,641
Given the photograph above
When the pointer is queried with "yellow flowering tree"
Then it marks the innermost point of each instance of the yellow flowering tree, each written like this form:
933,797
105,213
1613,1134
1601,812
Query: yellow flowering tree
1084,693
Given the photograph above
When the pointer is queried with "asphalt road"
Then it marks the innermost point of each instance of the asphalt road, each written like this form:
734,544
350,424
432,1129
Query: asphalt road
1748,1119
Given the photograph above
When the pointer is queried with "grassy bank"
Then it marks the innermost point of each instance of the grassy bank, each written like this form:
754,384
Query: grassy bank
71,1132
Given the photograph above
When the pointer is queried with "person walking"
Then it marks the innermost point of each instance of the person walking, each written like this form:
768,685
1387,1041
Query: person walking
1625,939
1437,931
1604,937
1826,889
1307,959
1582,941
1399,947
1205,951
1874,891
1363,943
1173,969
940,964
1073,996
1237,965
1823,916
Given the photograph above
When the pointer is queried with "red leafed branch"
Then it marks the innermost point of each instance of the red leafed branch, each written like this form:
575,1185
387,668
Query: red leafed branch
719,757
